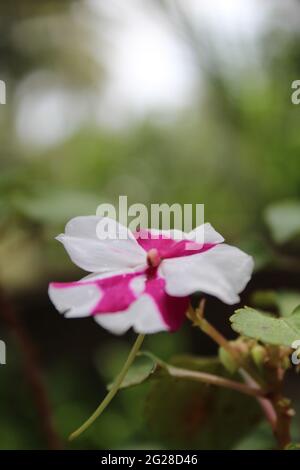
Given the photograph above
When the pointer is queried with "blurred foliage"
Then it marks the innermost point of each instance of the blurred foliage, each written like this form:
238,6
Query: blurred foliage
235,148
284,220
190,415
282,301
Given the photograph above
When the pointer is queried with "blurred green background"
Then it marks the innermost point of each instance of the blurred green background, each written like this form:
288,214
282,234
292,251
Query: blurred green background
161,101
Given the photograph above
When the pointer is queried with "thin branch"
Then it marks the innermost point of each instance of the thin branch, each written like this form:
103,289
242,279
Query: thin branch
198,319
212,379
265,404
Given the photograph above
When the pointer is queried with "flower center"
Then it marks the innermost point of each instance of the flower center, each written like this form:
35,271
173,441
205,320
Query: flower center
153,258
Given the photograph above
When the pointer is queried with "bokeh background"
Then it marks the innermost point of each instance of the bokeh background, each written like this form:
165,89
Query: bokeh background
162,101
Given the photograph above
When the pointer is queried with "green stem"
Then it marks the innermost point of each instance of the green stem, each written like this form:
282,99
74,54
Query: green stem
113,391
211,331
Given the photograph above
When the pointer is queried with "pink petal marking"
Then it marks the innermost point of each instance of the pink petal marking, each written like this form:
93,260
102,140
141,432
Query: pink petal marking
168,247
172,309
116,292
118,295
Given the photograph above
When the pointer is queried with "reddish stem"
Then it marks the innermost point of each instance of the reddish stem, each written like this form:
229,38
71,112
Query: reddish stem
32,371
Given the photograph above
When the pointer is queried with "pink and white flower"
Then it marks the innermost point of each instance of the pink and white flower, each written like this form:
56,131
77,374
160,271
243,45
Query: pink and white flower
145,282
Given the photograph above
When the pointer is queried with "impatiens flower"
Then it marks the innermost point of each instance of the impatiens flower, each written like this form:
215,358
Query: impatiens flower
144,279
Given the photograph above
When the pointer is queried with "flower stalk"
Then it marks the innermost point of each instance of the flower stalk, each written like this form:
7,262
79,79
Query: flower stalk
113,391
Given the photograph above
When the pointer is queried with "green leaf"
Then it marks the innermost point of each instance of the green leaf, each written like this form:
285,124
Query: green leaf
141,370
264,327
189,415
283,220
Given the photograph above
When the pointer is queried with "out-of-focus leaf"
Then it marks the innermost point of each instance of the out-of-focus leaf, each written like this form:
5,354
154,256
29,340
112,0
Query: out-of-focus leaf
190,415
57,207
283,220
5,209
141,370
265,299
287,302
293,446
17,252
260,250
283,300
267,328
260,438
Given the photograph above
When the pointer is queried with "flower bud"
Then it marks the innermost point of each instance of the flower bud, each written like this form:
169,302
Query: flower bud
228,361
258,354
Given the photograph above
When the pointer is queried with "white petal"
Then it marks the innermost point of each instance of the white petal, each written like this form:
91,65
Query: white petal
116,323
205,233
75,301
143,316
93,254
137,285
222,271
